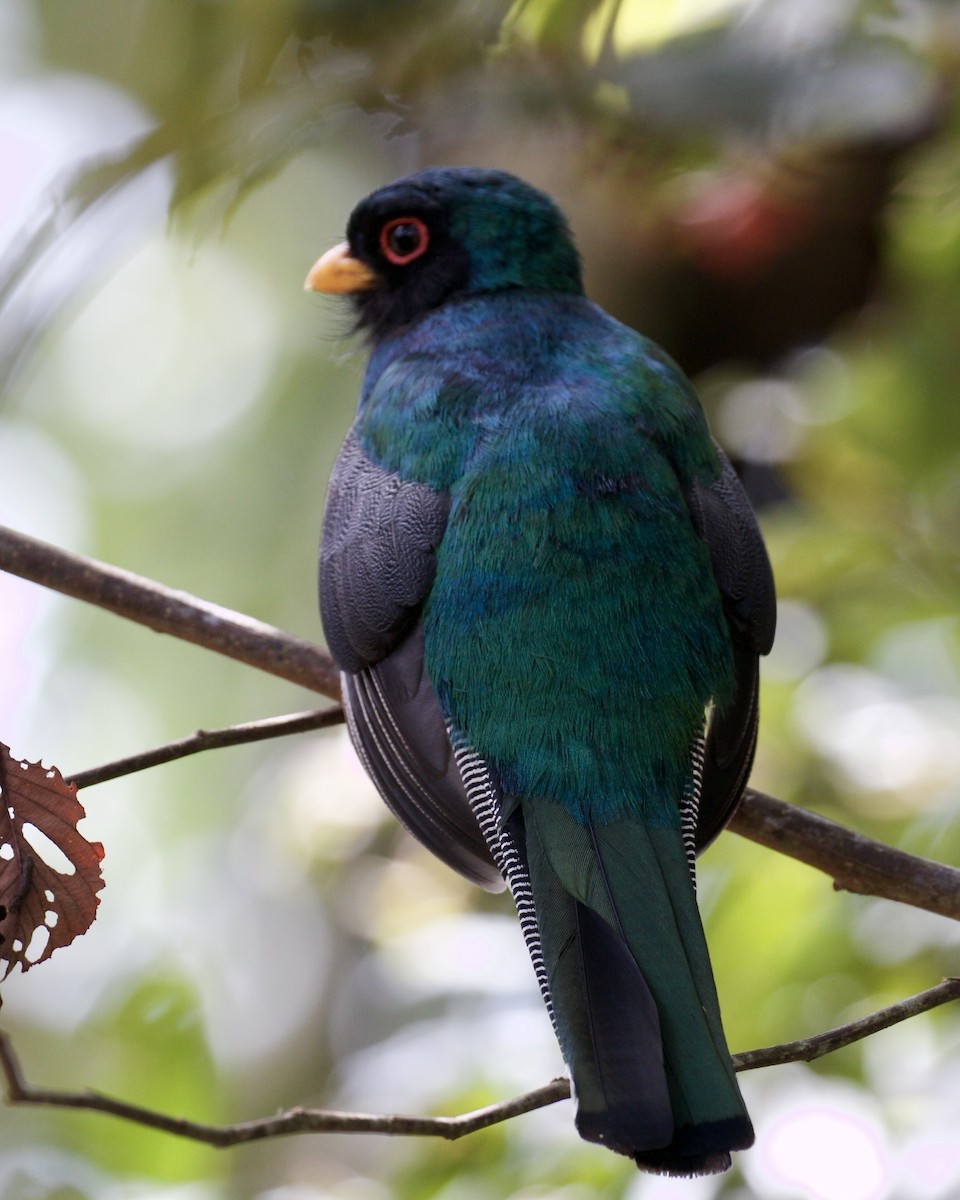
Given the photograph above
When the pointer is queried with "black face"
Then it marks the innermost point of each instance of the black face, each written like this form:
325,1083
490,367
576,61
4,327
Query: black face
402,232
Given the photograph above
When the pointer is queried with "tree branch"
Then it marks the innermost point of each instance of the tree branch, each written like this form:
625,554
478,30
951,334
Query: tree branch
314,1120
167,611
856,863
210,739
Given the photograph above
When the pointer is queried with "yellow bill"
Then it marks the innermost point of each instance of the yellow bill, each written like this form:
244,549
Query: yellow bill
338,273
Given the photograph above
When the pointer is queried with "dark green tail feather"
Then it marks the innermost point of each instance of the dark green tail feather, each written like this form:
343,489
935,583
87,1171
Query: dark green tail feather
632,991
620,1031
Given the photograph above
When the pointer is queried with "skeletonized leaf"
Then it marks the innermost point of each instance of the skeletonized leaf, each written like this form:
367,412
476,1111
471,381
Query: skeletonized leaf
49,872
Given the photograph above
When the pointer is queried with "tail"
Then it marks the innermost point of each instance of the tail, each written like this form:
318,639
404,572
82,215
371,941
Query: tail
631,990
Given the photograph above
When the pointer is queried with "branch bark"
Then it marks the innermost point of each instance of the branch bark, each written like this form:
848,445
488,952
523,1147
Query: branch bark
314,1120
167,611
857,863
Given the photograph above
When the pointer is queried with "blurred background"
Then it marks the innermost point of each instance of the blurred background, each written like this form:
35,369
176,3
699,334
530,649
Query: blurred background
771,189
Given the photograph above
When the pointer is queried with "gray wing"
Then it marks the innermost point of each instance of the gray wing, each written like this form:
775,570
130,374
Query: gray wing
723,518
377,564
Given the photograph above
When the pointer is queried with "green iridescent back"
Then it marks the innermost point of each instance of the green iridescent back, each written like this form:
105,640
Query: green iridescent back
574,632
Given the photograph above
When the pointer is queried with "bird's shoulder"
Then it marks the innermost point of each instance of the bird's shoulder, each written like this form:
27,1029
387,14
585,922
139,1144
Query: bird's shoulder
485,376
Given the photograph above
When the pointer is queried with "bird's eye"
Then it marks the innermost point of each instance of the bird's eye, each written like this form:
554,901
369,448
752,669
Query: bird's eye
404,239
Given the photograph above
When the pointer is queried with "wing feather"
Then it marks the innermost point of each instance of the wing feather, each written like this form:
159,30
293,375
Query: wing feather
723,518
399,732
377,563
377,556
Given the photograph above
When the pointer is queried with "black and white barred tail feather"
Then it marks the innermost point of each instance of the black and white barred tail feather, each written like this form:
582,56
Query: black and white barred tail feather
484,796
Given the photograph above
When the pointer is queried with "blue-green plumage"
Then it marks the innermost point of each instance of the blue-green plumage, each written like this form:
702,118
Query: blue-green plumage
574,629
531,529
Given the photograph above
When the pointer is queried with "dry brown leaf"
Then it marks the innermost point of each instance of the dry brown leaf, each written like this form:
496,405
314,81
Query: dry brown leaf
49,873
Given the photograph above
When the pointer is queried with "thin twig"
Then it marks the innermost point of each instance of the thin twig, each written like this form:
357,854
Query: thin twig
856,863
807,1049
290,1121
210,739
315,1120
167,611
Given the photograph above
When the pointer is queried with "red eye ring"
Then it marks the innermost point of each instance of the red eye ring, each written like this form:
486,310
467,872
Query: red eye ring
403,239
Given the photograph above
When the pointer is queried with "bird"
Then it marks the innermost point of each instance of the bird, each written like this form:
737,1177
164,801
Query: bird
547,596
